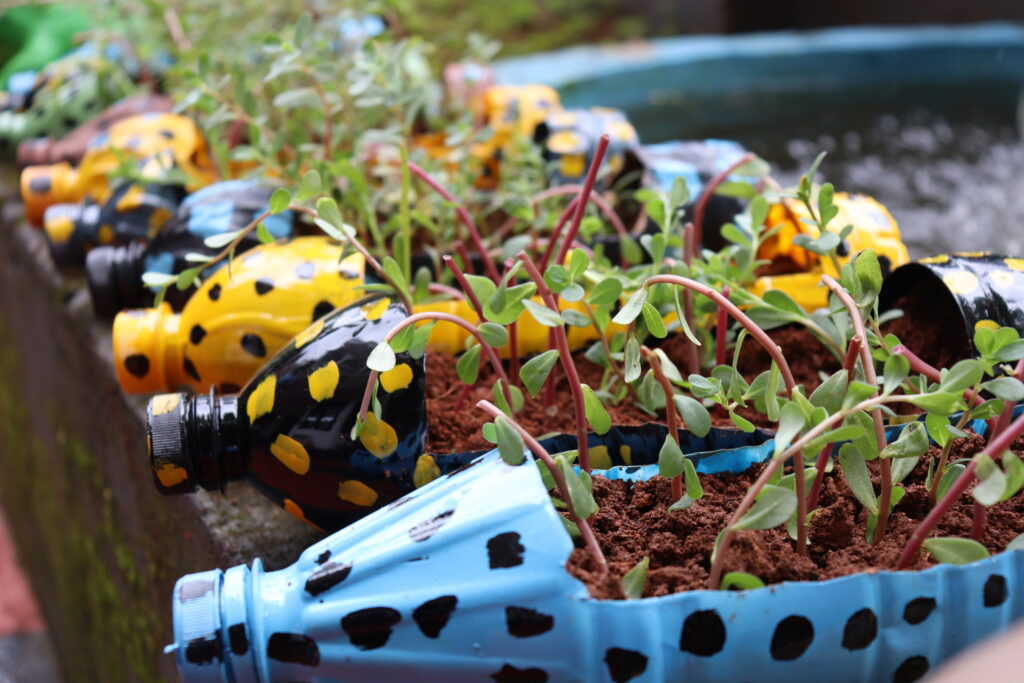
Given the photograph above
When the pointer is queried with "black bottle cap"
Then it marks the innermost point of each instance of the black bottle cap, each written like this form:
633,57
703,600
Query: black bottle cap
114,276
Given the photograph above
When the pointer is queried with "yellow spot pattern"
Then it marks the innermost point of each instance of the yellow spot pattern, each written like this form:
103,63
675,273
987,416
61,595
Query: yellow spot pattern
626,453
941,258
426,470
398,377
972,254
293,509
164,403
59,229
171,475
105,234
599,458
323,381
571,165
961,281
986,325
308,334
357,493
291,453
378,436
1002,279
261,400
1015,264
375,309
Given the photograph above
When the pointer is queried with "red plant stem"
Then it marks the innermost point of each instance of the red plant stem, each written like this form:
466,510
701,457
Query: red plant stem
739,316
464,283
999,423
670,412
602,205
978,522
709,190
870,376
513,334
720,329
993,449
692,357
467,261
920,366
800,485
848,364
464,217
464,393
581,205
488,350
565,356
589,540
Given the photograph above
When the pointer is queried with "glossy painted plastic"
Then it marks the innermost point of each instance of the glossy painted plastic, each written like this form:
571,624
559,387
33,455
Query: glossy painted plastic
132,212
986,289
569,139
64,94
237,321
72,147
289,431
114,274
797,272
464,580
157,141
510,111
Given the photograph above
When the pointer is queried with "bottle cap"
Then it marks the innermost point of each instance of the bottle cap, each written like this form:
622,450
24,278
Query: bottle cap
142,339
114,280
60,222
166,426
42,186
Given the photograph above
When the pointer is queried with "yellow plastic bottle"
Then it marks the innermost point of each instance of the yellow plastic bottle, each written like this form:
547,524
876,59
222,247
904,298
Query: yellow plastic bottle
158,141
235,322
797,271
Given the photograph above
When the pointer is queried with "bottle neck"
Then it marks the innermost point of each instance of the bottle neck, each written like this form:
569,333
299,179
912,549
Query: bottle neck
211,433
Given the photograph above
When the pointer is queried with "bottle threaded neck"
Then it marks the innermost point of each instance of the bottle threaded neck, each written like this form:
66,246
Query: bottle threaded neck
194,442
114,275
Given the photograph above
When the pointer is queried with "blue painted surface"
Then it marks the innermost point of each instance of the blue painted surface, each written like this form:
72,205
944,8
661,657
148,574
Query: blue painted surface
437,546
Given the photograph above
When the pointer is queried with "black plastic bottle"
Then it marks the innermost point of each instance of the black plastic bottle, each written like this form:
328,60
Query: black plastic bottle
131,213
114,274
289,431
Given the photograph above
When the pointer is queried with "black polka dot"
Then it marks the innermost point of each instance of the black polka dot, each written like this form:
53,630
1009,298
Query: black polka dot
432,616
428,528
323,557
305,271
917,610
703,633
254,345
505,550
792,637
624,665
70,122
293,648
137,364
214,292
237,639
510,674
524,622
912,669
190,370
264,285
349,274
322,309
196,334
370,628
995,590
229,388
328,576
861,630
167,134
39,185
203,650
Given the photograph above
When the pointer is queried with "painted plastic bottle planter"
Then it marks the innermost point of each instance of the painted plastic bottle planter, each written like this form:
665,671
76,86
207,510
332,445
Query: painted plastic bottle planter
72,147
158,141
132,212
289,431
952,296
797,271
464,580
569,139
64,94
235,322
114,274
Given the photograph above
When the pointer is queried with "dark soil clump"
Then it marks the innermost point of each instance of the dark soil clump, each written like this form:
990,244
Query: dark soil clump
633,523
931,327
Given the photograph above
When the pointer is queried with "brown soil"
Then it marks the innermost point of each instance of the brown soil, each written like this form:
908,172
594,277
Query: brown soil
632,524
930,327
454,428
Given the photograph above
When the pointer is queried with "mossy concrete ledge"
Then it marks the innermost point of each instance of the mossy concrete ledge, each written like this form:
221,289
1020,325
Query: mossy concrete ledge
101,547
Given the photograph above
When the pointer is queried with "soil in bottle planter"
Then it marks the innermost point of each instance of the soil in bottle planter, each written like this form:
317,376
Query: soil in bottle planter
236,321
131,213
114,274
73,146
289,431
157,141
